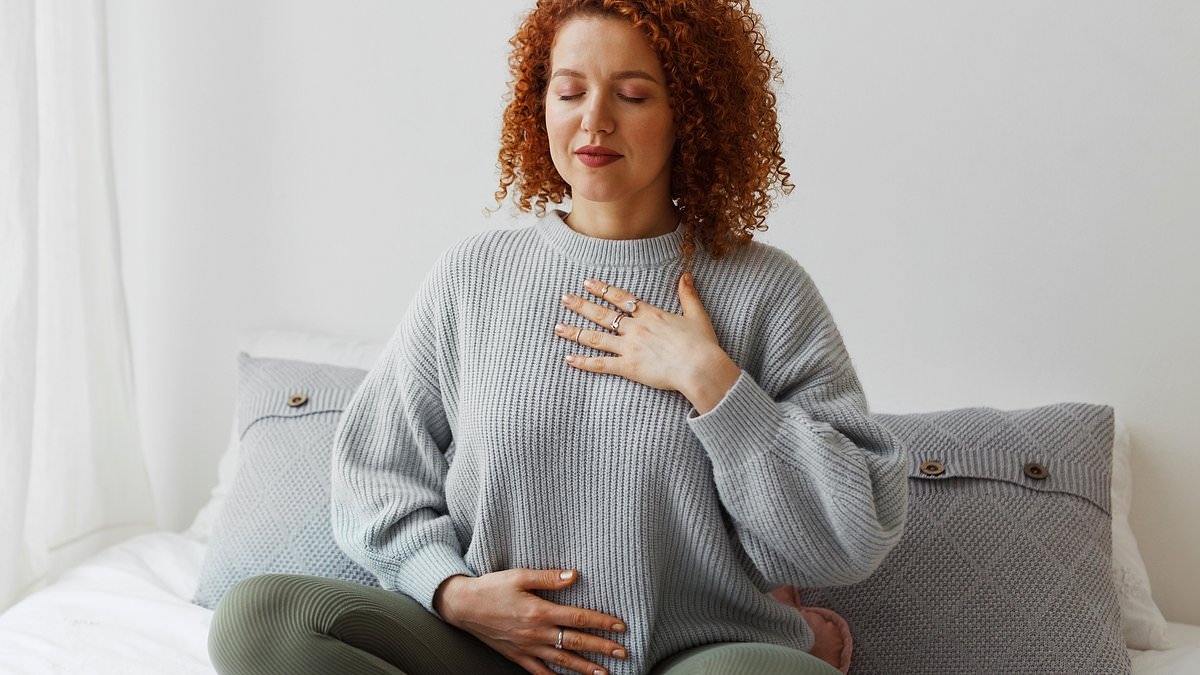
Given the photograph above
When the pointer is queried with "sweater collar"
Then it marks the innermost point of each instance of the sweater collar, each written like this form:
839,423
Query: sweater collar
608,253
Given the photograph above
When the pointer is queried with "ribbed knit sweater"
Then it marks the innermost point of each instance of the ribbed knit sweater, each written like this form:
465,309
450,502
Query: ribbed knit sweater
471,447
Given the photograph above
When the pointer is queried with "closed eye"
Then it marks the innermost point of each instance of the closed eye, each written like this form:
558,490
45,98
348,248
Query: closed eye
632,99
569,97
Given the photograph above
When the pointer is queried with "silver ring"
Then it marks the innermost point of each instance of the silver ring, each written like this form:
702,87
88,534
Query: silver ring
631,305
616,322
558,642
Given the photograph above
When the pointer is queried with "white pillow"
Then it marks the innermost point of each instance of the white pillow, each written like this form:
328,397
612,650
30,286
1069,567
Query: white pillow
1141,621
280,344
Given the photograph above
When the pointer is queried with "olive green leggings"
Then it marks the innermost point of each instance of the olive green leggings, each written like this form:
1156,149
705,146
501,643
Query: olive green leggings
283,623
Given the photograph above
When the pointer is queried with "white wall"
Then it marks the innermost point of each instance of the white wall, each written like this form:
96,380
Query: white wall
998,199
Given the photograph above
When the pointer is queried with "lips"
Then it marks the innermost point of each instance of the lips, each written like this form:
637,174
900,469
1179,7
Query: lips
596,156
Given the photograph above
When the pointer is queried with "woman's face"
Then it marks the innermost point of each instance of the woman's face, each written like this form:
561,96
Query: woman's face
608,114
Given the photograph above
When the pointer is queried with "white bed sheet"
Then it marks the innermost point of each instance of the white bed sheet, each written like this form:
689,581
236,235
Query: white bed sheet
127,611
1182,659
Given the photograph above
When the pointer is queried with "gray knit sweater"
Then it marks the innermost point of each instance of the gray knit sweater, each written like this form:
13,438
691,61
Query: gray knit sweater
471,447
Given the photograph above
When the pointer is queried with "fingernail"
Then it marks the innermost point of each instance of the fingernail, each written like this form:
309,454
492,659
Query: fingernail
567,574
597,672
570,358
559,328
566,299
589,284
618,627
619,653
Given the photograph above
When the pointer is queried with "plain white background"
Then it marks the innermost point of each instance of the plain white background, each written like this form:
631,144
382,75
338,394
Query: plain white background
999,201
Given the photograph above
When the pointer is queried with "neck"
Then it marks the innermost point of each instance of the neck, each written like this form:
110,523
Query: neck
605,220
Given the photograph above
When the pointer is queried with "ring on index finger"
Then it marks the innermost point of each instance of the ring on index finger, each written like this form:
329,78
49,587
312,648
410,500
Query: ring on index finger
616,322
630,305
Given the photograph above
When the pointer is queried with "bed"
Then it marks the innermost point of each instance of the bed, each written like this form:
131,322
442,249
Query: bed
129,609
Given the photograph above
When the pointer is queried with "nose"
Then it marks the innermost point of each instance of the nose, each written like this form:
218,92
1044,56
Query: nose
597,117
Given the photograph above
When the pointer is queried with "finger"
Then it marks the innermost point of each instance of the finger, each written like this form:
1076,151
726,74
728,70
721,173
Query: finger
587,619
618,297
600,289
602,316
689,298
545,580
578,641
569,660
533,665
594,364
596,339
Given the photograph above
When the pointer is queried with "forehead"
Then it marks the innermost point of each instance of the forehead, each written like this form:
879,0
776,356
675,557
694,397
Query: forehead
602,42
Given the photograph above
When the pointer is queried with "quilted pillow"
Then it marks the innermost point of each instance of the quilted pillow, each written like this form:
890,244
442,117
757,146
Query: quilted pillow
276,515
1004,566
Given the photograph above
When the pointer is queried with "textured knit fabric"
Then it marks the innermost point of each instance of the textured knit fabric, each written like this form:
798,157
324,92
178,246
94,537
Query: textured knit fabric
997,572
276,516
472,447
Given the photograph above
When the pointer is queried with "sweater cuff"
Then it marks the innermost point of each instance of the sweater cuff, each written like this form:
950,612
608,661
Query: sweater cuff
743,424
420,576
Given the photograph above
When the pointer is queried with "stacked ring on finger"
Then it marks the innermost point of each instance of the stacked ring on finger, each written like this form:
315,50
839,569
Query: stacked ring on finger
558,641
616,322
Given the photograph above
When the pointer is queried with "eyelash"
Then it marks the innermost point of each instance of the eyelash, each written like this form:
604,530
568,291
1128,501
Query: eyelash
623,97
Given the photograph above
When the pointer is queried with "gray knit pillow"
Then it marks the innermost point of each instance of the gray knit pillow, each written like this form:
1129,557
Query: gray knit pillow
1004,566
276,516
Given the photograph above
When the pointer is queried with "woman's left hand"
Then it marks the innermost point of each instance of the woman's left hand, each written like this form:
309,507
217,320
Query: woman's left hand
677,352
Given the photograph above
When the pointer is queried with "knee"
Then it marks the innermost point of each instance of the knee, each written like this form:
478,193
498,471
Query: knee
255,614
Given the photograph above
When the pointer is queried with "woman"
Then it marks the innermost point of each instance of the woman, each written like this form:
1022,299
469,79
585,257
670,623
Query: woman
594,444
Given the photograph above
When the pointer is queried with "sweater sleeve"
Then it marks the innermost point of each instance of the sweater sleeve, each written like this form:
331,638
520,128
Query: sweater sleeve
390,462
815,489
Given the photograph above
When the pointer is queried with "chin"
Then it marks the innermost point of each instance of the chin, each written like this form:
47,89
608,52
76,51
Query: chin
582,190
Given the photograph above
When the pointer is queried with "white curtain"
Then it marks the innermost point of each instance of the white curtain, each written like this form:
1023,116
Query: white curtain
72,474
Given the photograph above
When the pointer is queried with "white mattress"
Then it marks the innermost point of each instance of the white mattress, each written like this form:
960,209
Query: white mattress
127,612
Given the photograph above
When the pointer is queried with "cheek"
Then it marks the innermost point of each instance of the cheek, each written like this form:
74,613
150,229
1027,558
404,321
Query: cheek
558,128
660,134
558,137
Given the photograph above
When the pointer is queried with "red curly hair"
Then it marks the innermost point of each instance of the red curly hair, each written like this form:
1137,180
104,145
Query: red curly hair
727,164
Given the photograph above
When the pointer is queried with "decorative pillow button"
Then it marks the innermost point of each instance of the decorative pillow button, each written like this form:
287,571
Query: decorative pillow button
1036,471
932,468
297,400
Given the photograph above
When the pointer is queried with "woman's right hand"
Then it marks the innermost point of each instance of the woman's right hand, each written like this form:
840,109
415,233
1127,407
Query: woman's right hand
501,610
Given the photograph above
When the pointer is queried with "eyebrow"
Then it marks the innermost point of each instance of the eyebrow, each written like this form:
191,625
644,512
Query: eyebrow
619,75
